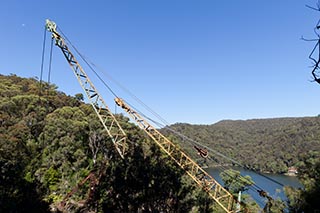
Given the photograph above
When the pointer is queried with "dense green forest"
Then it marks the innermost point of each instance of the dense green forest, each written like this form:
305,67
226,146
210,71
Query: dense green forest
266,145
50,143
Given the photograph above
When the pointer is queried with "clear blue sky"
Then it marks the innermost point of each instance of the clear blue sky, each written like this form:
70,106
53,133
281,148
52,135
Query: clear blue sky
190,61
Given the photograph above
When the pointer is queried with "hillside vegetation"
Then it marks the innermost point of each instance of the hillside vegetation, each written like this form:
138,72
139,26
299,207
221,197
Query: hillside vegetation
50,142
267,145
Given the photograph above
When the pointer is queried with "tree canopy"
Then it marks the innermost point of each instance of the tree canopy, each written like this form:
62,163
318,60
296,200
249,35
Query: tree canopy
264,145
52,144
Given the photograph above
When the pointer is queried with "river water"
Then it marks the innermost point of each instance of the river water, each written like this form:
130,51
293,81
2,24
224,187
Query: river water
274,189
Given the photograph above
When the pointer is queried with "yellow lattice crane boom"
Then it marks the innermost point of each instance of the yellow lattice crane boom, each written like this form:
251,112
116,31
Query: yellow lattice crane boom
219,194
106,117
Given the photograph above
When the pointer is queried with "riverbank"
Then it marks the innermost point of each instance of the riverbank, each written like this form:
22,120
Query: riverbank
292,171
264,181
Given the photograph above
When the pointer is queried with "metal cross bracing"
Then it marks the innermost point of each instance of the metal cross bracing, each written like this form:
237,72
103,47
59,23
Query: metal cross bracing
108,120
219,194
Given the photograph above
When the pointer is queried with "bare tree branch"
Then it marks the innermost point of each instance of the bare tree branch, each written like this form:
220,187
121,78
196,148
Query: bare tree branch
305,39
314,56
313,7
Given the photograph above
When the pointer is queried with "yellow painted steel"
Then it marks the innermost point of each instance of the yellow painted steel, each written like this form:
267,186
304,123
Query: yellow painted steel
219,194
104,114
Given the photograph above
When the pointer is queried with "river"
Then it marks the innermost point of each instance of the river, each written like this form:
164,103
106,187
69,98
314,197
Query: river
274,189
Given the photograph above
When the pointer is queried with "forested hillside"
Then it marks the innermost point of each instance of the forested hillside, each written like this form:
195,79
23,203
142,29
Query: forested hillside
267,145
51,142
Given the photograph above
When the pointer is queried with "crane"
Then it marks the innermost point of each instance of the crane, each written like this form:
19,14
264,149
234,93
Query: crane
216,191
219,194
106,117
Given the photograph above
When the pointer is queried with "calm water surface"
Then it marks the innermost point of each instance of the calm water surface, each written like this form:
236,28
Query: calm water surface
274,189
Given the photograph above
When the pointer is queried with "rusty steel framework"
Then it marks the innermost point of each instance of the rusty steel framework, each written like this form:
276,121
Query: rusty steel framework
63,205
108,120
